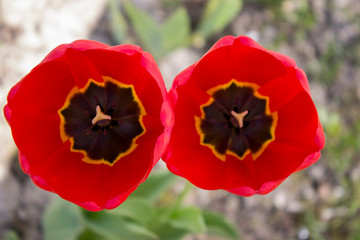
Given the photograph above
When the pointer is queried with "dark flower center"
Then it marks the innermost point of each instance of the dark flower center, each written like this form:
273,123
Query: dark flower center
236,120
102,120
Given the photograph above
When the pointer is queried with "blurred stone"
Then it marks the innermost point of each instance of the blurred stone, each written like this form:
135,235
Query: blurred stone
32,206
152,8
268,36
232,204
318,94
295,206
327,214
249,20
317,172
309,194
255,35
324,191
280,200
355,173
303,233
338,192
176,62
29,29
10,193
40,26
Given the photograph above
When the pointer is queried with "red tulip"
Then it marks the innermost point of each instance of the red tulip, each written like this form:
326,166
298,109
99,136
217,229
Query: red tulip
244,119
89,123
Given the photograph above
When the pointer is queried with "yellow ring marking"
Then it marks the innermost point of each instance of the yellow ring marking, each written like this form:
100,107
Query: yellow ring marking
198,119
76,90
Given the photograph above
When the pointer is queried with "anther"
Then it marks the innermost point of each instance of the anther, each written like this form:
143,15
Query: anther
99,116
240,117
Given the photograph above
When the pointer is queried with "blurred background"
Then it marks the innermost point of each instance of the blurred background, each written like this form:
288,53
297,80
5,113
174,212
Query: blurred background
321,202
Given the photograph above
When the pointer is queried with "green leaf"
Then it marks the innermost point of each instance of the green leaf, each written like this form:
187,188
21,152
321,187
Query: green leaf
117,23
160,39
11,235
136,209
115,227
156,184
331,121
89,235
62,220
176,30
145,28
168,232
216,224
188,218
217,15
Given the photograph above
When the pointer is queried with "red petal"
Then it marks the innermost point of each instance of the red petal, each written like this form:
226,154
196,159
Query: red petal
82,70
31,128
281,90
296,142
298,137
298,123
225,41
126,48
76,45
36,90
185,156
96,186
179,80
198,165
278,161
153,127
240,61
135,70
147,61
32,112
301,76
320,141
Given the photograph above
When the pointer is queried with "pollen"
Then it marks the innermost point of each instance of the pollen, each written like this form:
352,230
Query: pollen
240,117
99,116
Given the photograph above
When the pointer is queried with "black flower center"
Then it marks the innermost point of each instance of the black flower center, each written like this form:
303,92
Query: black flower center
102,120
236,120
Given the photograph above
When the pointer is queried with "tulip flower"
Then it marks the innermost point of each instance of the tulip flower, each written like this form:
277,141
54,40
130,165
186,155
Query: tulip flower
244,119
89,122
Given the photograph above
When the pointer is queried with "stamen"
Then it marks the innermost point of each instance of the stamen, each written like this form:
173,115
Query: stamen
240,117
99,116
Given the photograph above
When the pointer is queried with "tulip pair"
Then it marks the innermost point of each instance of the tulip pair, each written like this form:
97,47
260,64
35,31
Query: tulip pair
91,121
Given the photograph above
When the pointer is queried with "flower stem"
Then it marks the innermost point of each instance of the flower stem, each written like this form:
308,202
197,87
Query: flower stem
182,195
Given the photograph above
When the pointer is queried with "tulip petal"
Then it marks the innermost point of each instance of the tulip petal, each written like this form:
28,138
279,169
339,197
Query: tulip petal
36,88
90,122
79,45
30,130
217,90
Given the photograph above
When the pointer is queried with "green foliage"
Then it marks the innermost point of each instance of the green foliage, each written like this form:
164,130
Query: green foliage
11,235
114,227
329,64
147,30
267,3
156,38
217,15
62,220
188,218
154,186
118,24
140,217
167,232
315,226
137,209
176,30
331,121
162,38
216,224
